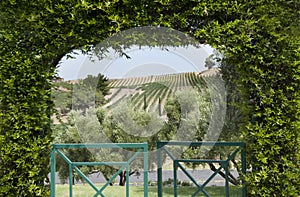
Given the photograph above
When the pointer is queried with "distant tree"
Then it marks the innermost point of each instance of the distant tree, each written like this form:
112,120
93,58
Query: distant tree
82,127
87,92
209,62
123,124
213,60
90,92
62,97
99,83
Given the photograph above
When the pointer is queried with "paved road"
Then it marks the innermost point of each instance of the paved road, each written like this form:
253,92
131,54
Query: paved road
199,175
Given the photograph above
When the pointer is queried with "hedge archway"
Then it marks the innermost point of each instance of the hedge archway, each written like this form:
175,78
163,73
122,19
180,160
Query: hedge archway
259,40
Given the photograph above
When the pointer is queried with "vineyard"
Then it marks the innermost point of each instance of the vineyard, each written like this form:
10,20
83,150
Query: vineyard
151,93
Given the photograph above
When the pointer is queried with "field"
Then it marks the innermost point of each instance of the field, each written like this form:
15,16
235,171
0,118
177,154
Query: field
138,191
151,93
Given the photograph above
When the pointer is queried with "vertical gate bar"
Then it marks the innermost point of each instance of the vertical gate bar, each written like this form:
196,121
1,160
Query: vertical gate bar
159,170
70,180
52,178
175,177
127,180
226,179
145,170
243,158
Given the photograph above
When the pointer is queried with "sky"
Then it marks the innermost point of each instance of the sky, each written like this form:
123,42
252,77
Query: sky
142,62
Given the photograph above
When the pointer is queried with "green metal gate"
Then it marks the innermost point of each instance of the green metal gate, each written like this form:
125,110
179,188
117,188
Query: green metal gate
140,147
161,146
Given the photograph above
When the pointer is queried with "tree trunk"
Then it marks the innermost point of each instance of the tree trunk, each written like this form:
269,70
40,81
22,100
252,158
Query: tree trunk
122,176
73,181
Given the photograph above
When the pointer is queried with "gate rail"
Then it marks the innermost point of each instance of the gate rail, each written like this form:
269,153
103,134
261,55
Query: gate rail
141,148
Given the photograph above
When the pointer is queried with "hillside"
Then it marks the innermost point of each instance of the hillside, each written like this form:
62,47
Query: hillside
151,93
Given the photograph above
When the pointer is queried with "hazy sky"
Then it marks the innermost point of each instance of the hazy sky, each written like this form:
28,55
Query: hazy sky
143,62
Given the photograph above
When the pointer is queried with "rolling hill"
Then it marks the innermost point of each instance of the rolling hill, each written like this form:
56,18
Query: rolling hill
151,93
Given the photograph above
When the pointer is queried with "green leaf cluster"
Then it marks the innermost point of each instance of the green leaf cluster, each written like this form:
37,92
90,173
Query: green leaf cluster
261,56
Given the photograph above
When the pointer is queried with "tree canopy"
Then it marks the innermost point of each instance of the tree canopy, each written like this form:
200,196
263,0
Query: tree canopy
258,39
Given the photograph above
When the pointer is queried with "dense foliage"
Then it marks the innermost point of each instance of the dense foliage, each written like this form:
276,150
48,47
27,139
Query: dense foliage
259,40
263,52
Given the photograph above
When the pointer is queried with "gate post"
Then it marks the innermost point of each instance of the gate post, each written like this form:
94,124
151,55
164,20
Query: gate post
145,170
159,169
52,174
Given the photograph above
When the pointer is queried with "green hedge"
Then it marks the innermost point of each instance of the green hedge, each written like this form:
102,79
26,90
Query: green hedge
25,133
263,54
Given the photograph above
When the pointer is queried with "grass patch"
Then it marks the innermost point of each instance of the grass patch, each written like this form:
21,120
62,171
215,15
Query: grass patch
138,191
